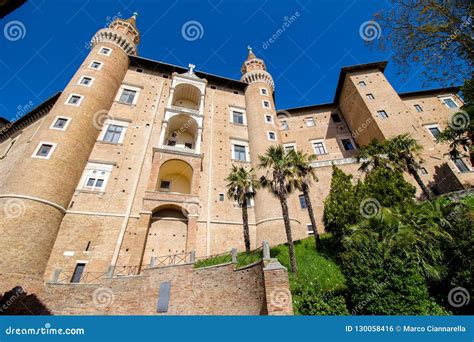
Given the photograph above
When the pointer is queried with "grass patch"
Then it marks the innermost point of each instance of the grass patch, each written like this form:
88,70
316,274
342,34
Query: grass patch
243,259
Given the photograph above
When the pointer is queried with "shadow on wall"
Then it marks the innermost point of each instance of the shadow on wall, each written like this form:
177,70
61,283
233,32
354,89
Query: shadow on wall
444,180
18,302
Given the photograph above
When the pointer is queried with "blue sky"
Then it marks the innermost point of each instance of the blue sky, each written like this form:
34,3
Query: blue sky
305,59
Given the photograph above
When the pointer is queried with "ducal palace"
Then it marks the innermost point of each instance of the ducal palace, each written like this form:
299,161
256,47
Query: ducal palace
129,161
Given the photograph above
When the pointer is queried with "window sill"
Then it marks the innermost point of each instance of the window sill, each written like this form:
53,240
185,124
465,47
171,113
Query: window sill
108,143
237,124
126,104
86,191
241,161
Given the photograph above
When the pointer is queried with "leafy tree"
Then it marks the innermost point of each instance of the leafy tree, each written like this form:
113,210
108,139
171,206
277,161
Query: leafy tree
304,174
436,33
403,151
242,188
278,180
341,206
459,131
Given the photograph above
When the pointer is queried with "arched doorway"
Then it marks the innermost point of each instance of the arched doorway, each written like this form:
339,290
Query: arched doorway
167,234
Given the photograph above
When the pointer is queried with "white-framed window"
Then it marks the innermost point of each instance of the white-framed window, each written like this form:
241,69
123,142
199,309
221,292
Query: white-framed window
449,101
240,150
382,114
44,150
268,118
237,116
221,197
418,108
370,96
165,185
289,147
319,147
60,123
113,131
105,51
309,229
347,144
263,91
128,95
284,125
271,135
309,122
95,177
250,203
96,65
74,100
86,81
266,104
434,130
461,165
362,83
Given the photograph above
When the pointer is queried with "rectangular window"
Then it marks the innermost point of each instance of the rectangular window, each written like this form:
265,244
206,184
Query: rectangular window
370,96
335,118
188,145
86,81
221,197
435,132
77,275
319,147
105,51
449,102
271,136
74,100
347,144
113,133
423,171
382,114
95,65
284,125
95,177
165,185
302,202
309,229
240,152
309,122
266,104
60,123
461,165
263,91
238,117
362,83
418,108
171,143
128,96
44,151
289,147
268,119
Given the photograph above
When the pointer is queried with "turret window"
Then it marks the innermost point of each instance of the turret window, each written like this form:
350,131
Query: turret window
382,114
95,65
418,108
263,91
266,104
86,81
362,83
74,100
105,51
271,135
60,123
268,119
44,150
370,96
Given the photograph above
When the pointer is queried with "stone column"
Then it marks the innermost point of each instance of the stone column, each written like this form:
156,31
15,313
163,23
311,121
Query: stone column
277,288
198,140
162,134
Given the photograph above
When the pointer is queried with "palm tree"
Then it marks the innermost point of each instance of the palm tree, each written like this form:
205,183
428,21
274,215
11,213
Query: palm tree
374,155
242,188
303,176
403,150
278,181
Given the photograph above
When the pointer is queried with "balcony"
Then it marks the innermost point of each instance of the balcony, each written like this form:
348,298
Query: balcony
184,151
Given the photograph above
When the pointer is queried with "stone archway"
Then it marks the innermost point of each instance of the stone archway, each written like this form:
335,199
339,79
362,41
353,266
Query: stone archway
167,233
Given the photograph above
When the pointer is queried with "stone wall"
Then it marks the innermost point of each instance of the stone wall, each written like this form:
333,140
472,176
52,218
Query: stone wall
258,289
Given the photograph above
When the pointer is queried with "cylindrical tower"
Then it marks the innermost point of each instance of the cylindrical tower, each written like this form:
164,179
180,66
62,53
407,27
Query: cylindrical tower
263,132
44,179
